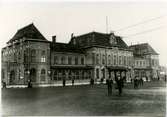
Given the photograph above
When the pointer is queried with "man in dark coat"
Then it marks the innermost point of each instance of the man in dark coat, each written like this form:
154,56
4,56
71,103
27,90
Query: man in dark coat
109,83
64,82
120,85
72,81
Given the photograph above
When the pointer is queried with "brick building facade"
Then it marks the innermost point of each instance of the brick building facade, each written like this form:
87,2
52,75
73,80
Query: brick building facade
29,55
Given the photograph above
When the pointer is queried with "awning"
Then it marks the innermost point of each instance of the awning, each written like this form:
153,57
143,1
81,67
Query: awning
71,67
119,68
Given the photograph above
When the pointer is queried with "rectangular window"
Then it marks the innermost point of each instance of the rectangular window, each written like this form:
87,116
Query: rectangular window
55,60
124,60
119,60
97,59
76,60
69,60
62,60
103,60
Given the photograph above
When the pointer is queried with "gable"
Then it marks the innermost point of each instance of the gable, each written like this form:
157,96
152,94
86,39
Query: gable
29,31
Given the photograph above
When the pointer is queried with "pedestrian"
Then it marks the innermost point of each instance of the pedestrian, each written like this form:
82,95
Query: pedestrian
64,82
72,81
29,83
135,83
120,84
91,81
146,79
3,84
101,81
141,81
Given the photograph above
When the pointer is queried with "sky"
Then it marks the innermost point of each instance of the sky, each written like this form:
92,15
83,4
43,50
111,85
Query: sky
63,18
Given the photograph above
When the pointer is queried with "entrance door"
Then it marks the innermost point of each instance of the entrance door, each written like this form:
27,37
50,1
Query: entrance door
33,75
12,77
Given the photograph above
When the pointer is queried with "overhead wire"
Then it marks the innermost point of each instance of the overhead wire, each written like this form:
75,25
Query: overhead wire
146,31
140,23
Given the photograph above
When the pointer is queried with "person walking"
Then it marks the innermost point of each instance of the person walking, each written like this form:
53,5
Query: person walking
4,84
72,81
109,83
120,85
91,81
29,83
64,82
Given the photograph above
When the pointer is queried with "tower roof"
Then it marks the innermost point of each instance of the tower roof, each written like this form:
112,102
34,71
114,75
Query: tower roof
29,31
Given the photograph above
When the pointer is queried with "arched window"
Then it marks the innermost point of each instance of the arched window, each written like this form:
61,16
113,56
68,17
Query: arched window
103,60
109,59
82,60
33,55
43,72
115,59
119,60
97,59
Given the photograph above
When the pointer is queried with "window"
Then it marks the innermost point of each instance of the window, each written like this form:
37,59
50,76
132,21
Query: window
93,58
140,63
97,73
109,59
76,60
69,60
70,75
62,60
115,57
43,72
33,55
124,60
97,59
82,60
55,75
25,56
55,60
119,60
103,60
77,74
43,56
15,57
19,56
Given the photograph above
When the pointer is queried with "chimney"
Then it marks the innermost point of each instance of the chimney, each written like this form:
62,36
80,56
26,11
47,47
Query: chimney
54,39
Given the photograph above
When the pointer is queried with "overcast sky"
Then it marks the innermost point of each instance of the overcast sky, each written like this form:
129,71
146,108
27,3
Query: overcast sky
63,18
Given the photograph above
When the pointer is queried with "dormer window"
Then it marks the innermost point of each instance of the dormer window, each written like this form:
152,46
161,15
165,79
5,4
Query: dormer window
113,39
74,41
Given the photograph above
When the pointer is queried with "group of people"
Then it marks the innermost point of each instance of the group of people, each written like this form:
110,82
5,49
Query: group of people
119,85
138,82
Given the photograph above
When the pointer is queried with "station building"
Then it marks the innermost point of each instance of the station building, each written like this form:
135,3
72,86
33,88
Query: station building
29,55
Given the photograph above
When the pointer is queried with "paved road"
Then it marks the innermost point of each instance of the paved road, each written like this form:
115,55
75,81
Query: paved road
85,100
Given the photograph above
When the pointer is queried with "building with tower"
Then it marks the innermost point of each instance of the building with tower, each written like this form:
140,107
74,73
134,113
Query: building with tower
99,56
